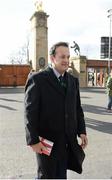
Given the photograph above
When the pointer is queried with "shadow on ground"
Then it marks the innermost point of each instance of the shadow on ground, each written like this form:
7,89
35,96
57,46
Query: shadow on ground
93,90
11,90
95,109
97,125
11,100
8,107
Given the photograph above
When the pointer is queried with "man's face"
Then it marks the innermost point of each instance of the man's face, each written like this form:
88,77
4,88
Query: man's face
61,59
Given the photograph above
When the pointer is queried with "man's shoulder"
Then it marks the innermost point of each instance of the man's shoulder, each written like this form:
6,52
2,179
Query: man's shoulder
38,75
72,77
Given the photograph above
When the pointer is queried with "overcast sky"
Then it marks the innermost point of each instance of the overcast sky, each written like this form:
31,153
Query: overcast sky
84,21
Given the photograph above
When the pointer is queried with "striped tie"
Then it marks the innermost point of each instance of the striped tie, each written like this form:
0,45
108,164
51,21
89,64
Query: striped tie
62,81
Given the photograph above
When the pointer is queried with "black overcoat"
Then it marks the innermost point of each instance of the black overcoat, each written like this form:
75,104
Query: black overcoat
52,114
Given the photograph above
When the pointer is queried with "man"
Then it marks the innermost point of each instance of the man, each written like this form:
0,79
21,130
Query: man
53,111
109,93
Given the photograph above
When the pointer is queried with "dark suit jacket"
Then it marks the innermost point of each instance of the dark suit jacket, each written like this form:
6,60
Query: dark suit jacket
52,114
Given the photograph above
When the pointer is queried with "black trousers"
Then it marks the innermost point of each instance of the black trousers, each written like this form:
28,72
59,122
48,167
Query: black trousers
53,166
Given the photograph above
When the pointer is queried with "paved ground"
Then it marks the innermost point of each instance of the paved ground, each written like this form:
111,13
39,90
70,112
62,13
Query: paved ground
17,161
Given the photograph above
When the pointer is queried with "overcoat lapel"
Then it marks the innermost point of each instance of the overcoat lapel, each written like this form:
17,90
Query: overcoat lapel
70,89
52,79
68,92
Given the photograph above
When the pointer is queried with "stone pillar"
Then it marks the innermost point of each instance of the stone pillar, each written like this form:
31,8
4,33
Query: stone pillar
79,64
38,48
83,72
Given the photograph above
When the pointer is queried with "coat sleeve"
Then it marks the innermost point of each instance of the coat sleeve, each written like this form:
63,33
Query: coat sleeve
80,115
31,104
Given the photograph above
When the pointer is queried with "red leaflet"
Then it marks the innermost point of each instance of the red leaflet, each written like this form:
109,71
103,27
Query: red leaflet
48,144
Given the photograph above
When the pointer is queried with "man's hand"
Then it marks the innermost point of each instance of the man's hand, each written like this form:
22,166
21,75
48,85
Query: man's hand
38,148
84,140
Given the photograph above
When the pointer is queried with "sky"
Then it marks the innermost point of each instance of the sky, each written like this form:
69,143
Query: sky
83,21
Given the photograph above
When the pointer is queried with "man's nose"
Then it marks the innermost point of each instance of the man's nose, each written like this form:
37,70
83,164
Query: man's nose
66,59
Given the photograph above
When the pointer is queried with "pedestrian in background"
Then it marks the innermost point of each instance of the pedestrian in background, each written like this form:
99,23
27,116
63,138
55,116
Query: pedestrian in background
31,72
92,79
109,93
53,114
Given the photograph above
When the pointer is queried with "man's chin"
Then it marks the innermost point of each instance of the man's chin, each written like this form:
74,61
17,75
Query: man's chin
65,69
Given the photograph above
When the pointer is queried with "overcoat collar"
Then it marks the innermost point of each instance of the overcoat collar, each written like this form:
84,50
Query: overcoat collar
55,83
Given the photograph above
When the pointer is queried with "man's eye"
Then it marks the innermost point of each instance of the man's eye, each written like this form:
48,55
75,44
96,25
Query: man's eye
62,57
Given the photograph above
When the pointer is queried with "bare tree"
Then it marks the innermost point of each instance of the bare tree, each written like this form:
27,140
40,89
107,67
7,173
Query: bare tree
21,56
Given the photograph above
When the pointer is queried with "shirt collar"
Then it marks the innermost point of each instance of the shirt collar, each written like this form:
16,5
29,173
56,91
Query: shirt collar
57,73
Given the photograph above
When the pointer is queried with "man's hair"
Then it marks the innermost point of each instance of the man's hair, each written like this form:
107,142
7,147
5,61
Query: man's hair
54,47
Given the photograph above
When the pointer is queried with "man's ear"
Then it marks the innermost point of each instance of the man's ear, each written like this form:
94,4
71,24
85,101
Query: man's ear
52,58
